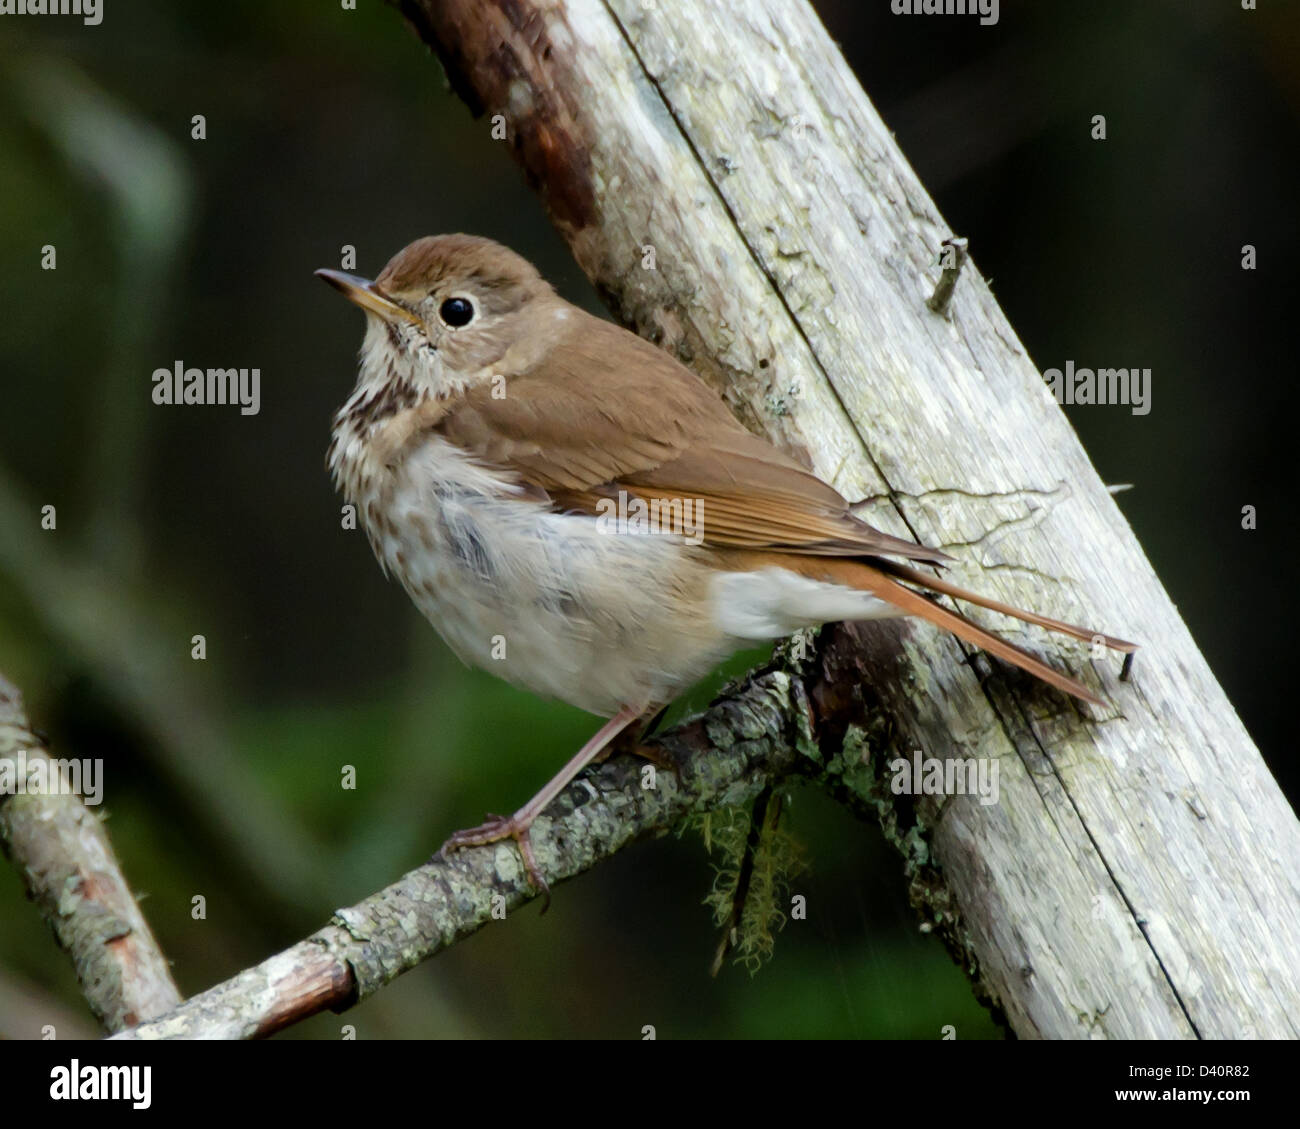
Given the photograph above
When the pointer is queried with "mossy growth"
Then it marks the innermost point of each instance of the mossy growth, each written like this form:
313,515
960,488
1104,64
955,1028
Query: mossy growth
755,860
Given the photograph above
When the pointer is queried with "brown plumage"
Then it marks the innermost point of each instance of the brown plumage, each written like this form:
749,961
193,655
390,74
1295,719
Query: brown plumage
610,411
492,429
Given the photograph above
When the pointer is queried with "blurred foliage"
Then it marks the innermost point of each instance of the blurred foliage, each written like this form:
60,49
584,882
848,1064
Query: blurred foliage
328,127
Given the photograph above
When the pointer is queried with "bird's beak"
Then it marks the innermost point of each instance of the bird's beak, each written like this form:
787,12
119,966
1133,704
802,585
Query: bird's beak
364,293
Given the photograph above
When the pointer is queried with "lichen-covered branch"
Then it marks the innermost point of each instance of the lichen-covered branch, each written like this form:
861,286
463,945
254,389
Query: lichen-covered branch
62,852
721,759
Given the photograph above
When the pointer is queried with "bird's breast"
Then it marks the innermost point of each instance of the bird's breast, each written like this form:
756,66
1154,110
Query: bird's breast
554,602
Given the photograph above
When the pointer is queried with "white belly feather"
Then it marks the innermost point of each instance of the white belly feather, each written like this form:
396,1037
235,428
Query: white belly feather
562,605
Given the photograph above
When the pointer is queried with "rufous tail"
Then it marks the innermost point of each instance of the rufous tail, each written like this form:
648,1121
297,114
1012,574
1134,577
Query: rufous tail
881,578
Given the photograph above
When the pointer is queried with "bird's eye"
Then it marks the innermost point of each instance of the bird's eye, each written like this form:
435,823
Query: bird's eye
456,311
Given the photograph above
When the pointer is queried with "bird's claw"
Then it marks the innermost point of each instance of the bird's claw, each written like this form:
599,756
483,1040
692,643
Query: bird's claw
493,830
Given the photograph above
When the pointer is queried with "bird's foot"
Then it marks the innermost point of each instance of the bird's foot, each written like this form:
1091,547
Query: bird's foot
493,830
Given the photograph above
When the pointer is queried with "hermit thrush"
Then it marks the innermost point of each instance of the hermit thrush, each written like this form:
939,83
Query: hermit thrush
580,514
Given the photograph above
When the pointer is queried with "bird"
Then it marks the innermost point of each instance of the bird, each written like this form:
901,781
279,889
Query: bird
577,512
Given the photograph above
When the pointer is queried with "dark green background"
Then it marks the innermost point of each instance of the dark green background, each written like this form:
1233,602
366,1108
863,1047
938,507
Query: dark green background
327,127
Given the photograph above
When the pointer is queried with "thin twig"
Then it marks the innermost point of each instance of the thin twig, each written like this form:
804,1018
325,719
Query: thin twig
63,854
731,928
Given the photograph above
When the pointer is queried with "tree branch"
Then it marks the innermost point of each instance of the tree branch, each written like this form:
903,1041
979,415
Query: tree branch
71,873
725,757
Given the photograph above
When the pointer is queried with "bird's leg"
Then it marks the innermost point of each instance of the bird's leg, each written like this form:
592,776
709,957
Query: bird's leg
631,741
516,827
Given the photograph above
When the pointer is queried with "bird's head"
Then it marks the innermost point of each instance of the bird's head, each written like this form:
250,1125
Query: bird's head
444,311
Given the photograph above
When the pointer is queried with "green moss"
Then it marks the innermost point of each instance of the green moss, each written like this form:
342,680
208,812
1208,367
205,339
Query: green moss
748,893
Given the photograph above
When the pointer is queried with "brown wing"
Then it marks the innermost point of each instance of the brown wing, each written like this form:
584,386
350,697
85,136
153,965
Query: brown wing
607,411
